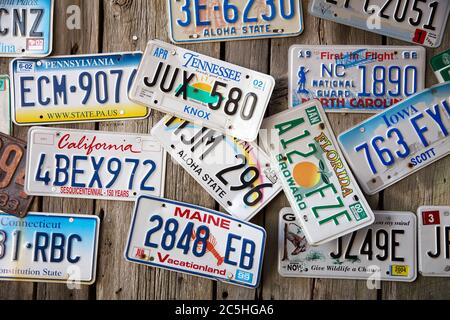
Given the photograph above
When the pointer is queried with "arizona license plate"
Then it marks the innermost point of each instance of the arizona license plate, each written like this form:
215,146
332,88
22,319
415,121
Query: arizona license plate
75,89
441,66
421,21
190,239
5,118
355,78
403,139
93,164
201,89
315,177
385,250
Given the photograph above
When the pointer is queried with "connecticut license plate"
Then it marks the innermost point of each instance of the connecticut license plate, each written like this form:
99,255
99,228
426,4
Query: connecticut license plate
190,239
5,105
441,66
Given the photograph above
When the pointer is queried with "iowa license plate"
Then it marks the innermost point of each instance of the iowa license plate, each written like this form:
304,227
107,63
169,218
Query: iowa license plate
5,118
201,89
190,239
403,139
355,78
441,66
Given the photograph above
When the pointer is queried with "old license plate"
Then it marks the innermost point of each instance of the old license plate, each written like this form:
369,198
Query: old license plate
385,250
221,20
93,164
403,139
75,89
236,173
46,247
5,118
355,78
315,177
201,89
418,21
441,66
190,239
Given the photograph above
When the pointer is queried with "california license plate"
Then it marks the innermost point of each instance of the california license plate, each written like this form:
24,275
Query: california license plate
190,239
355,78
315,177
93,164
201,89
403,139
441,66
75,89
5,118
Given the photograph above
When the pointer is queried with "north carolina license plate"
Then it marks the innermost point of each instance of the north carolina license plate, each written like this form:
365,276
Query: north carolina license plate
190,239
75,89
93,164
355,78
441,66
315,177
403,139
417,21
46,247
201,89
236,173
220,20
5,118
385,250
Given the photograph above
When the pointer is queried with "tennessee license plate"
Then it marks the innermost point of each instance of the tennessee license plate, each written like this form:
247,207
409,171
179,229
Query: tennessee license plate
93,164
355,78
441,66
190,239
315,177
385,250
75,89
421,21
46,247
403,139
201,89
5,118
236,173
221,20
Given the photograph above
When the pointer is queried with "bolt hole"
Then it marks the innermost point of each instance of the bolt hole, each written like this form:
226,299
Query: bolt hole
155,102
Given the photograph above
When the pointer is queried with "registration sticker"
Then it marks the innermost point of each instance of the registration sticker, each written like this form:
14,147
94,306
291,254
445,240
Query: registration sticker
441,66
5,105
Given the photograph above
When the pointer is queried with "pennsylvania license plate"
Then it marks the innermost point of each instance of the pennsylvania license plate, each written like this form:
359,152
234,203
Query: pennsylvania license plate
221,20
418,21
46,247
403,139
201,89
385,250
355,78
5,105
190,239
75,89
441,66
315,177
236,173
93,164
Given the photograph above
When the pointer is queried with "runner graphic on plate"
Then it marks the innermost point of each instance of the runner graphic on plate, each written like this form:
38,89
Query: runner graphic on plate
302,71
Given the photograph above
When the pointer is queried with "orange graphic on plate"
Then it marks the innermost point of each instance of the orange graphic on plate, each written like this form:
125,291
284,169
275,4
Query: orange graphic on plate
306,174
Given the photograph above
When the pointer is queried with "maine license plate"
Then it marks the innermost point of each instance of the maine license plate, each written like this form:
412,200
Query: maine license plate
441,66
385,250
315,177
201,89
5,118
355,78
190,239
93,164
47,247
421,21
403,139
75,89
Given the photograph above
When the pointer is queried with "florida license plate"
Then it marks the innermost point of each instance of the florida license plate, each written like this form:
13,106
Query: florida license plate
93,164
441,66
201,89
190,239
5,118
403,139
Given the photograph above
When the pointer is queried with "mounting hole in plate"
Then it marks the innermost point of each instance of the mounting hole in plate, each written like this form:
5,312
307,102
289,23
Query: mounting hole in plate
356,198
230,203
41,117
23,50
389,177
239,225
134,194
247,77
172,146
155,102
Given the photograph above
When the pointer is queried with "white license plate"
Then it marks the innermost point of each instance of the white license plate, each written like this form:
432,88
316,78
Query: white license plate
441,66
421,22
190,239
385,250
93,164
201,89
403,139
5,118
315,177
355,78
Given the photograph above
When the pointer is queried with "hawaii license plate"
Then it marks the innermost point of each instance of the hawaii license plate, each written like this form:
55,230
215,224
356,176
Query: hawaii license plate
355,78
5,118
417,21
315,177
201,89
441,66
93,164
403,139
385,250
190,239
75,89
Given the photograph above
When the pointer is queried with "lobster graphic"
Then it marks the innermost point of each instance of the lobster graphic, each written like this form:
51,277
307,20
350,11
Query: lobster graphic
211,247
